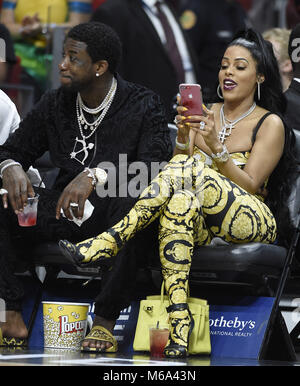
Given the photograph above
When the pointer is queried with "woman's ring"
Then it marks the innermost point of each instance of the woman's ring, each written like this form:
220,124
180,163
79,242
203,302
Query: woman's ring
74,204
3,191
202,125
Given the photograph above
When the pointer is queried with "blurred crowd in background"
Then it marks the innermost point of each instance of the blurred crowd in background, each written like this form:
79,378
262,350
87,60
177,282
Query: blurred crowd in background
205,28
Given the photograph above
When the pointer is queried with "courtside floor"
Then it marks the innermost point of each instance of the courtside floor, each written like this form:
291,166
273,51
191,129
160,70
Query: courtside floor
110,367
63,357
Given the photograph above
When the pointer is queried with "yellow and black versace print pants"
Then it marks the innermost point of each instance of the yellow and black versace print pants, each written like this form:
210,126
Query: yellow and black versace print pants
194,200
195,204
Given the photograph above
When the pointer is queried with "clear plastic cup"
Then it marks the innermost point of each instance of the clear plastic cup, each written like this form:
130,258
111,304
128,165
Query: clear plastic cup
158,339
28,217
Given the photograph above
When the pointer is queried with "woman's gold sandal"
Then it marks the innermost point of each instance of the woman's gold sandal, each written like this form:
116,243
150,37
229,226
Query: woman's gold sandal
12,342
100,333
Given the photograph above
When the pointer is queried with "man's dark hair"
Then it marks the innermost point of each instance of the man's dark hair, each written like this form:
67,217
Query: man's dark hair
293,45
102,42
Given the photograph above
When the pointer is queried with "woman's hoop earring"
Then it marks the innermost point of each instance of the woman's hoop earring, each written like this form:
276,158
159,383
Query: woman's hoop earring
258,90
219,92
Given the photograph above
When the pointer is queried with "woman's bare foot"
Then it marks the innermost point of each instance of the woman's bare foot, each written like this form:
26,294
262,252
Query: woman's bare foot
99,345
14,325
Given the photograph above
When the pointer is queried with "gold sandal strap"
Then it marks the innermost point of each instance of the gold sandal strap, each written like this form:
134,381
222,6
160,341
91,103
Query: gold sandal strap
101,333
14,342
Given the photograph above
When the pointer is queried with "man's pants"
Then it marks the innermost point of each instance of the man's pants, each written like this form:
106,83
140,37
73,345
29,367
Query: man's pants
118,283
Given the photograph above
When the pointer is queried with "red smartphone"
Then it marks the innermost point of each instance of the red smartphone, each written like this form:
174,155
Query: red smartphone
191,98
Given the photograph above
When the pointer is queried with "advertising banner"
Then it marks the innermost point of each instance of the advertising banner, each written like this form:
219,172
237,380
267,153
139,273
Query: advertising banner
237,331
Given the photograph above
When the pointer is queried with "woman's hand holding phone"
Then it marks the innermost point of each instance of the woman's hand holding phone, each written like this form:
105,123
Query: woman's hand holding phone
195,116
205,126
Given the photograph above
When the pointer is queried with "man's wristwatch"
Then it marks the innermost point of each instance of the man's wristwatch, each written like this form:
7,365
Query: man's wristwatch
101,176
222,156
98,175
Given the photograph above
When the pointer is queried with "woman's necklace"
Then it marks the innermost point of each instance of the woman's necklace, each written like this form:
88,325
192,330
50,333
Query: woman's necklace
80,145
227,125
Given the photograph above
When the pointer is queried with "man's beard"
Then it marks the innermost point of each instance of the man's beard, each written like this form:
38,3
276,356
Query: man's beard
73,87
78,86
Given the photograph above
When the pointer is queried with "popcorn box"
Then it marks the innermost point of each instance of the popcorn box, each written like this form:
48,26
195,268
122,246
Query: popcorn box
64,324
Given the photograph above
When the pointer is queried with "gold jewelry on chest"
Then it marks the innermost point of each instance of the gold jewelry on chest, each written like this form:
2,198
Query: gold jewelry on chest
87,129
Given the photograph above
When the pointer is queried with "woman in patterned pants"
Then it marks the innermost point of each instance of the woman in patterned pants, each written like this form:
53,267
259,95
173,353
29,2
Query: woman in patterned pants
207,191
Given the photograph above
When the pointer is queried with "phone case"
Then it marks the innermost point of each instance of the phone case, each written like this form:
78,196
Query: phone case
191,98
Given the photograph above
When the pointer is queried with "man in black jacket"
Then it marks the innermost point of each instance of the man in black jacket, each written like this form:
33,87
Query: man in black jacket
145,58
92,120
293,92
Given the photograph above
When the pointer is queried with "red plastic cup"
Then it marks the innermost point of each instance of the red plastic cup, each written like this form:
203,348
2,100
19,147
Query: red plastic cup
158,340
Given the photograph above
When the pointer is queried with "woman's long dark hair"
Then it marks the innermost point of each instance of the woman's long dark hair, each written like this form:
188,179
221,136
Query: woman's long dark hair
273,100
